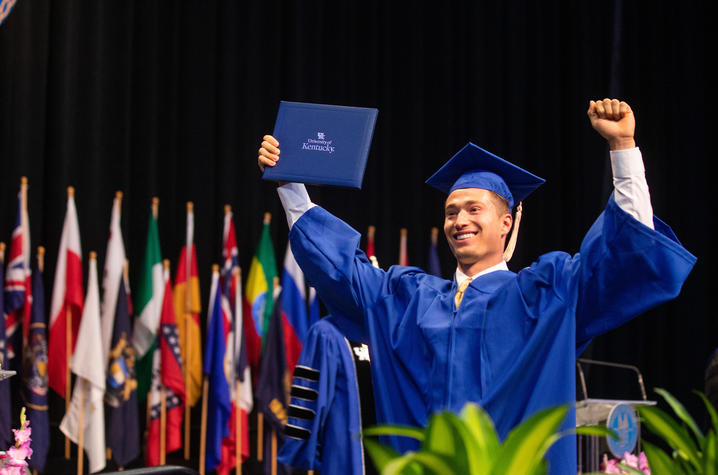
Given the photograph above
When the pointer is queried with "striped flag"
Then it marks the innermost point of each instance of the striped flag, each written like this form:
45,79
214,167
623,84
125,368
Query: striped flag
149,303
67,300
89,390
242,397
236,353
34,375
187,307
294,309
18,278
230,254
167,380
215,367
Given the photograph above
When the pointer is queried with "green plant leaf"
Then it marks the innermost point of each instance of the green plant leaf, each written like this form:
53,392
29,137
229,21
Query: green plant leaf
402,465
659,461
598,431
380,454
389,429
440,437
660,423
710,454
447,436
682,413
526,445
711,410
481,439
435,464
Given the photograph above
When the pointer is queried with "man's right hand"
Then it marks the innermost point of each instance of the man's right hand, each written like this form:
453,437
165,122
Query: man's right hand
268,152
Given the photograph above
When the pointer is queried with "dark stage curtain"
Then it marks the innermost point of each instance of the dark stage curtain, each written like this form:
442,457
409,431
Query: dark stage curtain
171,98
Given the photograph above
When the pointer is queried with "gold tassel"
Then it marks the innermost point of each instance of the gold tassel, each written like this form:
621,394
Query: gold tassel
509,252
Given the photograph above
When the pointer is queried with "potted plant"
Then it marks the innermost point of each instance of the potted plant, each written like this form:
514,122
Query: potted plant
467,443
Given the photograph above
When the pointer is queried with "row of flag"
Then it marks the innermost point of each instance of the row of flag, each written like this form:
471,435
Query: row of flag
157,356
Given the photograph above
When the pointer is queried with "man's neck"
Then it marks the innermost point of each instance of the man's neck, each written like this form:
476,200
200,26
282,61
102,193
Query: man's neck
461,276
478,268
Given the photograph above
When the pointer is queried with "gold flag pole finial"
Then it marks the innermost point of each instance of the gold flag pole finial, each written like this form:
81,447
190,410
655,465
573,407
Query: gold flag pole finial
155,206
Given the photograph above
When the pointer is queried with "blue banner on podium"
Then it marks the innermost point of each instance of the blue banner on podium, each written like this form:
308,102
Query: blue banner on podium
322,144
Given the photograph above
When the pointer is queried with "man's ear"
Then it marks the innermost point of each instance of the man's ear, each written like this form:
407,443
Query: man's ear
506,222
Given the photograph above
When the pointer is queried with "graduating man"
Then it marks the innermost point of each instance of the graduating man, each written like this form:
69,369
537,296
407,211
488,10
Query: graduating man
506,341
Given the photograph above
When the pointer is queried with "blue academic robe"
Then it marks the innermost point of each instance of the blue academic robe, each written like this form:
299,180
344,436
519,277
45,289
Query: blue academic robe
512,344
324,423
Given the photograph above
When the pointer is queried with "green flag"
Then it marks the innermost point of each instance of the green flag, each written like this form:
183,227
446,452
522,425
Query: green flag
149,305
259,291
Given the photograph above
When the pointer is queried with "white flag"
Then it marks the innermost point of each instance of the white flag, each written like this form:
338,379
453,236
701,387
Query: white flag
89,390
112,277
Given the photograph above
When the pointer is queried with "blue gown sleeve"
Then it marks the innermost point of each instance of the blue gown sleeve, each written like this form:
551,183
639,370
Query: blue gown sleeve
623,269
327,250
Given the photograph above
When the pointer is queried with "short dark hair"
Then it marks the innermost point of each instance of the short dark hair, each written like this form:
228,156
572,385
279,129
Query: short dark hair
502,204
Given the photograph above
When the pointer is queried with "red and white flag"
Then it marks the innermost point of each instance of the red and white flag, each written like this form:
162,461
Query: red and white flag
167,383
67,300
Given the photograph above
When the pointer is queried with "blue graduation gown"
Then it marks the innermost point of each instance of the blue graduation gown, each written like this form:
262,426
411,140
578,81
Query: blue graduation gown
512,344
324,422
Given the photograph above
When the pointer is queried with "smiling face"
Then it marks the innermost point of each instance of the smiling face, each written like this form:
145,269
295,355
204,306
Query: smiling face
476,222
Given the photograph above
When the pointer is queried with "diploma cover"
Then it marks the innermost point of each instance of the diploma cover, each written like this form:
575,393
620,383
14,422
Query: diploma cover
322,144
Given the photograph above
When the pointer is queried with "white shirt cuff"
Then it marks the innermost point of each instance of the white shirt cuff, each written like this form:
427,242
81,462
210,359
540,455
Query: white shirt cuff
295,200
630,187
627,162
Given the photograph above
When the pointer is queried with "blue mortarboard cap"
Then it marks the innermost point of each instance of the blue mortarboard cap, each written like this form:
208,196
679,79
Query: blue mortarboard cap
474,167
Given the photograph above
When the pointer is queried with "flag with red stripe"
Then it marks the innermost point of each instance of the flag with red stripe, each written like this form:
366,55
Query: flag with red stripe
67,300
167,381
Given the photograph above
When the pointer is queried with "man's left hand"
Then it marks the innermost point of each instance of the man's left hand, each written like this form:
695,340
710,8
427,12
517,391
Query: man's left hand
614,120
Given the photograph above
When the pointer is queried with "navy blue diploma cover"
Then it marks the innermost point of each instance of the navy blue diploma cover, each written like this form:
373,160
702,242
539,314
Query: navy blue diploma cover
322,144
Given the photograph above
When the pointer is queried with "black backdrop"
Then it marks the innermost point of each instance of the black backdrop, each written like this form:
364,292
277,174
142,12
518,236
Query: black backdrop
170,99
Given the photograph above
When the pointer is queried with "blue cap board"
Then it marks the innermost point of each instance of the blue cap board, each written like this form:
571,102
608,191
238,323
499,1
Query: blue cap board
474,167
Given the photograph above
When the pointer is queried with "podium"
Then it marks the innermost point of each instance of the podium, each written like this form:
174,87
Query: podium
618,414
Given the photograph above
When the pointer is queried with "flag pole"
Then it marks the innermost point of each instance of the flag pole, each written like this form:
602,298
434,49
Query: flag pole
26,252
260,416
163,424
118,204
260,435
274,451
187,340
68,350
163,400
203,429
41,258
273,443
238,385
237,429
81,429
